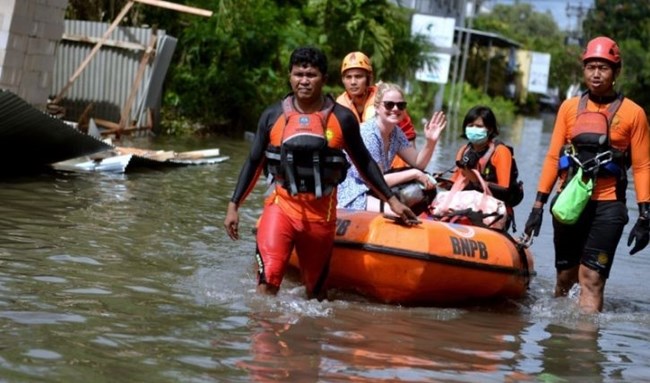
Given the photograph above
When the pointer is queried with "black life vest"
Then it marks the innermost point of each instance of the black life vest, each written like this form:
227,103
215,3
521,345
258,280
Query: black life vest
487,170
303,162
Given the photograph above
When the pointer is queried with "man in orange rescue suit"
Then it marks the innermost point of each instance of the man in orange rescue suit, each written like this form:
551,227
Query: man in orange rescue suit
603,133
300,140
359,96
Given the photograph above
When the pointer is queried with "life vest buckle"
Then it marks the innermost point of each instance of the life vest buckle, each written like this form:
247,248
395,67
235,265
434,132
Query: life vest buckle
569,150
594,163
567,157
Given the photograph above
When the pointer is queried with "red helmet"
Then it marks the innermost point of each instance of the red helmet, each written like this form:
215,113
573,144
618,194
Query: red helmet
602,48
356,60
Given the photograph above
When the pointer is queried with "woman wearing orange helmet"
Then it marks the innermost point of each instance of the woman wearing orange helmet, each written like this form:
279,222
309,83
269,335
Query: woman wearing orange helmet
599,135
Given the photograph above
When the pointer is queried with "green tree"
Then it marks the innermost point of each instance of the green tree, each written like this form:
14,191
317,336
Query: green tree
535,31
378,28
240,55
375,27
107,11
519,22
628,23
230,65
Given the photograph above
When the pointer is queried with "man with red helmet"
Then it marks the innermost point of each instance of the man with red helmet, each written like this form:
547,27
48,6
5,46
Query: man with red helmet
599,134
359,96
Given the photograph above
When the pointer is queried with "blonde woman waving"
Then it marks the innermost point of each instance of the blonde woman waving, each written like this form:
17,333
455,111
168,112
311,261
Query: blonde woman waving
384,140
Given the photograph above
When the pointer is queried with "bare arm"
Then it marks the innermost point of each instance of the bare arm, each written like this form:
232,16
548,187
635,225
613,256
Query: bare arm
408,175
432,131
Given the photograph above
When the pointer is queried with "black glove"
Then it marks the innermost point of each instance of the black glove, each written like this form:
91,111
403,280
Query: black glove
640,233
469,160
534,222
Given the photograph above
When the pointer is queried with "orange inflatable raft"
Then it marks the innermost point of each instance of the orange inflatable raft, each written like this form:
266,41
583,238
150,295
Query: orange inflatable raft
433,263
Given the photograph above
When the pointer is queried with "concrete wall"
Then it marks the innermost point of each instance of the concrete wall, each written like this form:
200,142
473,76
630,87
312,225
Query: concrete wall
30,31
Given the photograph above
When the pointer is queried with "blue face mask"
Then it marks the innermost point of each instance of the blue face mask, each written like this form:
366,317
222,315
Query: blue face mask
476,134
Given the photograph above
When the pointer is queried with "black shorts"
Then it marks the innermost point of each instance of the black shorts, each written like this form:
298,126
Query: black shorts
593,239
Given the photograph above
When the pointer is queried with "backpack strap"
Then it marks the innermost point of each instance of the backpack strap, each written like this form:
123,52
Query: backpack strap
487,156
613,108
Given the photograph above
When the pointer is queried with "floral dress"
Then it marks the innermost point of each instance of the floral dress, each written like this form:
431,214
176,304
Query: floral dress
353,191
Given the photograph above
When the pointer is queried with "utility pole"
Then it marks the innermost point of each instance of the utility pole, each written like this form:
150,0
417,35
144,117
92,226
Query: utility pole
578,12
459,42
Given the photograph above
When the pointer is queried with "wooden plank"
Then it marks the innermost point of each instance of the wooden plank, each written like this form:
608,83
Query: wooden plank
158,155
116,22
198,154
110,125
125,117
149,123
177,7
84,119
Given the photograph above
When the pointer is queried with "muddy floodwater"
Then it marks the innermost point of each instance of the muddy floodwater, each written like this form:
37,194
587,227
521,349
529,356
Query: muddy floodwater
131,278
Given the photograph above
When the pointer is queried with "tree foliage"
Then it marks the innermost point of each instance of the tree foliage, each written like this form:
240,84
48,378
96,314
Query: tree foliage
375,27
230,66
536,31
519,22
628,23
106,11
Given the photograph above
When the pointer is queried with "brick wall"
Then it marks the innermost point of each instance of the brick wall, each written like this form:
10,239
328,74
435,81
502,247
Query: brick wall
29,33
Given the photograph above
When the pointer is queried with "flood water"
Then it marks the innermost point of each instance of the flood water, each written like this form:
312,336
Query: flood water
131,278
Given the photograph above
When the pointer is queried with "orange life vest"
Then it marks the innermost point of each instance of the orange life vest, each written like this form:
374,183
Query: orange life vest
487,171
590,145
592,128
302,162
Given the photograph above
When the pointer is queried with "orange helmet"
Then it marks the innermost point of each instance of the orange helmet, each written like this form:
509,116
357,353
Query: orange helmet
356,60
602,48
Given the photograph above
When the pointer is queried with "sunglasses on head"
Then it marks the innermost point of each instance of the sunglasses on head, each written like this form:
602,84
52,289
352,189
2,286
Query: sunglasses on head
389,105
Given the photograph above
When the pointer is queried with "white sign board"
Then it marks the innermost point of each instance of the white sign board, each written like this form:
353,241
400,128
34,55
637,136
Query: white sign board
437,71
439,30
540,65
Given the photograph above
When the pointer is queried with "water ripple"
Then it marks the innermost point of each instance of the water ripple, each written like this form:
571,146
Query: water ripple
26,317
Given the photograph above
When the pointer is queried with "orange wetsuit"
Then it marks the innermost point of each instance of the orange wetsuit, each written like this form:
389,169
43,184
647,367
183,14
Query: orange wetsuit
301,220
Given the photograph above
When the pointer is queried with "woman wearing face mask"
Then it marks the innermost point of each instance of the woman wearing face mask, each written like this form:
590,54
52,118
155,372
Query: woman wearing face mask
491,157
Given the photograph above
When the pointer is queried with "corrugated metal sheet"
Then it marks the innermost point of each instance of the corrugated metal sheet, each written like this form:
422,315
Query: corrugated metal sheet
107,80
154,87
31,139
